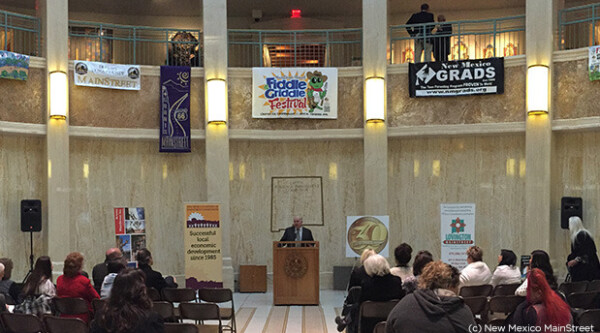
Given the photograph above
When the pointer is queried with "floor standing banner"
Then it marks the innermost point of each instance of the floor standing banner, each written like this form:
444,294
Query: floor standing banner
367,232
457,232
175,109
202,239
130,230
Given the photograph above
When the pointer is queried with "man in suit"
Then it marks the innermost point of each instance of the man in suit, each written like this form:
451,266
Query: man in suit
297,232
101,270
422,32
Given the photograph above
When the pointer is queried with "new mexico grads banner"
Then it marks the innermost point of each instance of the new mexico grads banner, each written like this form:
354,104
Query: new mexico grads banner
202,239
294,93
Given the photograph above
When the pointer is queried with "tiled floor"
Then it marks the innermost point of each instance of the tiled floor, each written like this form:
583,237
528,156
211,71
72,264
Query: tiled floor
255,313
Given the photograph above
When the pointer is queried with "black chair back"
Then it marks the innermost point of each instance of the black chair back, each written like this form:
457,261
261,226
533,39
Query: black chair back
473,291
371,311
200,312
590,318
71,305
178,295
154,294
62,325
583,300
98,304
505,303
594,285
180,328
220,295
164,309
21,323
573,287
505,289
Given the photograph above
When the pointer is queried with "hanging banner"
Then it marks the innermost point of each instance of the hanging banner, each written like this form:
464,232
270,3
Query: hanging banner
104,75
456,78
299,92
367,232
594,63
457,232
202,241
130,230
175,109
14,66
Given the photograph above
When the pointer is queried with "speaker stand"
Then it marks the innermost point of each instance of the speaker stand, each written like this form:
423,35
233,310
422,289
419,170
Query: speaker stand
30,256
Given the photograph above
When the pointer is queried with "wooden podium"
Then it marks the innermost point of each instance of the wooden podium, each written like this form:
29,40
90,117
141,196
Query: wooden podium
296,273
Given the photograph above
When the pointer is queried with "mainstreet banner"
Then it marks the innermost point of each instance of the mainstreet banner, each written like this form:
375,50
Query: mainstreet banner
456,78
299,92
175,109
104,75
594,63
14,66
457,232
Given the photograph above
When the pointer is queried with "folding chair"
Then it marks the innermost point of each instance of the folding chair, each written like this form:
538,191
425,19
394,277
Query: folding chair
589,318
71,305
154,294
178,295
505,289
221,295
62,325
201,312
472,291
504,305
21,323
371,313
573,287
164,309
478,306
180,328
593,285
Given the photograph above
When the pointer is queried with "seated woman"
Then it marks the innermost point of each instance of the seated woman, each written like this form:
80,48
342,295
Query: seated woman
8,288
357,276
73,284
114,267
129,308
37,284
544,308
421,260
507,272
477,272
435,306
402,253
582,262
539,259
154,279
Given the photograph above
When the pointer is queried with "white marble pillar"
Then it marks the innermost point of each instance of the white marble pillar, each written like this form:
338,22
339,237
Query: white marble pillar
217,137
57,231
538,135
375,134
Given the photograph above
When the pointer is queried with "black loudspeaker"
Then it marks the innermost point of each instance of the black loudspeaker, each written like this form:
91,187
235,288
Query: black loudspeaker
31,215
570,206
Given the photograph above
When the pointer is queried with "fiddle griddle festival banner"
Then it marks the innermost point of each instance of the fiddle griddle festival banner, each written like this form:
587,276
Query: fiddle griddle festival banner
130,230
175,109
299,92
367,232
14,66
202,241
594,63
457,232
104,75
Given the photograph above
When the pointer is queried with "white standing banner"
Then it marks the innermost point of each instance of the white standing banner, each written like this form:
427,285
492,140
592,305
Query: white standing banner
103,75
594,63
299,92
367,232
457,232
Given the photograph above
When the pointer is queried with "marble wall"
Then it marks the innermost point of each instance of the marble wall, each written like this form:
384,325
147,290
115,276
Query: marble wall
99,107
574,95
253,163
24,101
485,170
133,174
22,176
575,174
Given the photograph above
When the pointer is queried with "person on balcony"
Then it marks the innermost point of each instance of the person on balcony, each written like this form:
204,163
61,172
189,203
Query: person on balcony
421,32
441,42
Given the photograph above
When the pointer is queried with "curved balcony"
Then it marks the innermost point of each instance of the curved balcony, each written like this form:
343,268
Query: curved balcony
579,27
20,33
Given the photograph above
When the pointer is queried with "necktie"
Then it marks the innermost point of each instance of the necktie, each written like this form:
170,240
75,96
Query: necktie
297,238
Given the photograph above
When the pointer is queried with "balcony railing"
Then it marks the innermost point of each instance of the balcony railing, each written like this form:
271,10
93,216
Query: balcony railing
305,48
472,39
124,44
20,33
579,27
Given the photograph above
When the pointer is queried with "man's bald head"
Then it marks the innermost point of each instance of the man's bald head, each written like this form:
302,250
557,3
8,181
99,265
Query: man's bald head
113,253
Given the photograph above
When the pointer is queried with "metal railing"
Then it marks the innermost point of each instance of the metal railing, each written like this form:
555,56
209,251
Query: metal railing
301,48
124,44
470,39
579,27
20,33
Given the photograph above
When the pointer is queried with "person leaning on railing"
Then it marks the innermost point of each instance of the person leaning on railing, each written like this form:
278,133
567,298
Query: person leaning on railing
421,32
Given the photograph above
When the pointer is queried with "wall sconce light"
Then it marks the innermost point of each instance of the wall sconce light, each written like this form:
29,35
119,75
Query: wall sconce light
217,101
58,95
375,99
537,89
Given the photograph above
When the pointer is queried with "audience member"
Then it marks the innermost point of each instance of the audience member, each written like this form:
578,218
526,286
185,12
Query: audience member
421,260
73,284
101,270
8,288
539,259
38,289
402,253
154,279
422,32
441,42
477,272
543,307
129,308
582,262
434,307
507,272
114,267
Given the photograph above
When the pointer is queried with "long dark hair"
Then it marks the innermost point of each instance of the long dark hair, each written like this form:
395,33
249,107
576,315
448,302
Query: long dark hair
540,259
128,303
421,259
509,258
41,270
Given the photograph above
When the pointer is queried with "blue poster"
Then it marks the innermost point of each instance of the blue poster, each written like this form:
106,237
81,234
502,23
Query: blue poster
175,109
14,66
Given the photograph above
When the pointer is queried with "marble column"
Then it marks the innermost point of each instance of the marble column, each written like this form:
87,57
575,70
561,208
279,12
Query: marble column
538,135
57,232
375,134
217,136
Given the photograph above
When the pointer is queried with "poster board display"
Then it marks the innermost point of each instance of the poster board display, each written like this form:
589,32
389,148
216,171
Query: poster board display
202,242
457,232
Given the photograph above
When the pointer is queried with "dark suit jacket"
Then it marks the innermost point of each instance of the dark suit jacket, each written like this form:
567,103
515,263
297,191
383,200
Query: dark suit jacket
420,17
290,235
99,272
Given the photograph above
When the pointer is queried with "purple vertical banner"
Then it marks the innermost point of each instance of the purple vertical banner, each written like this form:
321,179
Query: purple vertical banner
175,109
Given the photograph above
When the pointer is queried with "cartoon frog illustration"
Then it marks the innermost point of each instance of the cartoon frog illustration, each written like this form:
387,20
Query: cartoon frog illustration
315,92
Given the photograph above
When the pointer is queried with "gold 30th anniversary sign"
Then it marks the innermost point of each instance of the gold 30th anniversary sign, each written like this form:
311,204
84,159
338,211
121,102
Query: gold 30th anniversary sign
367,232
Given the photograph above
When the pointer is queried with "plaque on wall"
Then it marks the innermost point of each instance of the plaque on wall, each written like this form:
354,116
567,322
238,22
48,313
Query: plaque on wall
296,196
